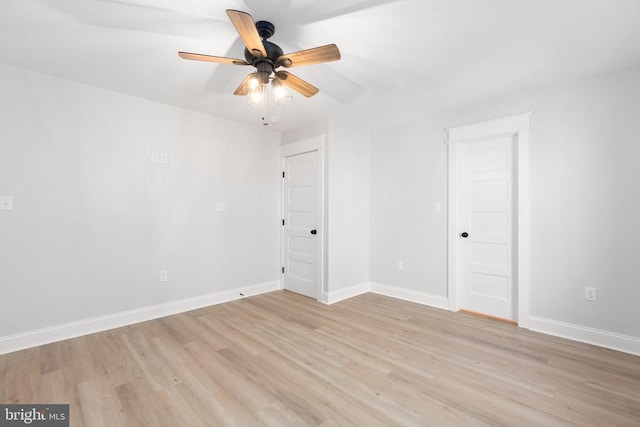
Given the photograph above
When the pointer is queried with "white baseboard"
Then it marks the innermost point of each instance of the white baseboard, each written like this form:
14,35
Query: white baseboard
51,334
11,343
390,291
342,294
411,296
611,340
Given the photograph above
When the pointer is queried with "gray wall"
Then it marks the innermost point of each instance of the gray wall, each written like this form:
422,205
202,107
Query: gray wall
94,221
347,203
585,183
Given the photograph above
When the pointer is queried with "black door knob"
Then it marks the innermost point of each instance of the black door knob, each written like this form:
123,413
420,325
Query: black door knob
314,231
464,234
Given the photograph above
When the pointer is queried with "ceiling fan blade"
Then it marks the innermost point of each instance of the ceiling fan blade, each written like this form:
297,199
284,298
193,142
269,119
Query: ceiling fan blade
297,84
210,58
315,55
243,89
248,33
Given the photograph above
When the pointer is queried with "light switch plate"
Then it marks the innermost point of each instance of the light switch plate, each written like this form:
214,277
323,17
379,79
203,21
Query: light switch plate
436,207
6,203
155,157
164,158
220,207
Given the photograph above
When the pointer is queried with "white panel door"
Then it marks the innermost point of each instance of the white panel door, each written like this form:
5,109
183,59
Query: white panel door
301,228
486,227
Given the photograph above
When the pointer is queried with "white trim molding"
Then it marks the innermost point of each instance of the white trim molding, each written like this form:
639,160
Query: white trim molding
417,297
490,128
65,331
410,295
611,340
303,146
346,293
517,126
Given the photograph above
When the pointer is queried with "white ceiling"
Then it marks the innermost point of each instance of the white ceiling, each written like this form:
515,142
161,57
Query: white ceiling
430,53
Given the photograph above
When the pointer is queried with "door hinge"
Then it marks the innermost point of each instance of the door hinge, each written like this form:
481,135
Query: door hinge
282,270
283,174
283,222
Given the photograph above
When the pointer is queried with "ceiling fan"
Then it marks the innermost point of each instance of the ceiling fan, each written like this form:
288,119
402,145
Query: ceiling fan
267,57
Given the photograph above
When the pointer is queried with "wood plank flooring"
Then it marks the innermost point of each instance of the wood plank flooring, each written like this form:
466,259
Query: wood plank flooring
283,359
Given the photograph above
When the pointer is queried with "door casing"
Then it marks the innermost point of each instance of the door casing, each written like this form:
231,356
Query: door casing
517,127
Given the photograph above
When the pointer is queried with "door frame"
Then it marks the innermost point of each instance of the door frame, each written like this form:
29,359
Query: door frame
316,143
518,127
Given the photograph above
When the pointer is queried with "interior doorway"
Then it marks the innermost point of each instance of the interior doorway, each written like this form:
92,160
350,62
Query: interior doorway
303,217
489,218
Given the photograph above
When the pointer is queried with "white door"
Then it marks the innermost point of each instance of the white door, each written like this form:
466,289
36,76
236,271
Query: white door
486,227
301,225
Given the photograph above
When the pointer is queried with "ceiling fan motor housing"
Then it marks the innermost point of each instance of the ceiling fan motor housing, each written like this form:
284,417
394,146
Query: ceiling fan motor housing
270,62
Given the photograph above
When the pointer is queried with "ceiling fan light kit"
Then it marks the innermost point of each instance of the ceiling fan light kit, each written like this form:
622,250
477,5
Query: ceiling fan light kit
280,92
267,57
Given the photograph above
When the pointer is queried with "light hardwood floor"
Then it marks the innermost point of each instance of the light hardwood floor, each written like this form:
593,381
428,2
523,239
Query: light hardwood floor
283,359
